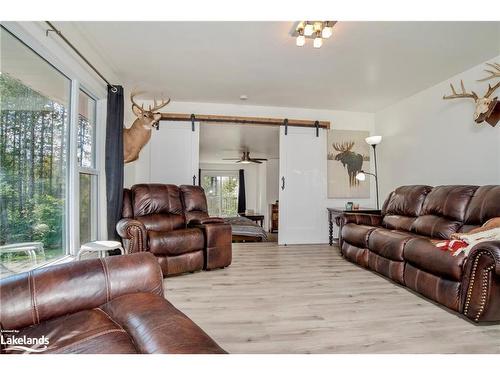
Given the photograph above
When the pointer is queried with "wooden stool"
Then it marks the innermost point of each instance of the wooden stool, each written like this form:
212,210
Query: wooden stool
101,247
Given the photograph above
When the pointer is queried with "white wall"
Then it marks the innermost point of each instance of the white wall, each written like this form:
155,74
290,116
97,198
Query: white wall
428,140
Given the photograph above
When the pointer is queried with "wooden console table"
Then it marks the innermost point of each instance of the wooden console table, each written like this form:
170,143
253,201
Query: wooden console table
337,211
258,218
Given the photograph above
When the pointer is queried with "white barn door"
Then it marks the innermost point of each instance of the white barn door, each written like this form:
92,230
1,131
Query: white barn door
302,195
174,153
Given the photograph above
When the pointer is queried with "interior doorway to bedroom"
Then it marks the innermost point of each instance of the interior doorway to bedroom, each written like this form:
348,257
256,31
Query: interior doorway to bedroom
239,171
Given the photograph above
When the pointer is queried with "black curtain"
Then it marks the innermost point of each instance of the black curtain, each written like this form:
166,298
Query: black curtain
242,201
114,159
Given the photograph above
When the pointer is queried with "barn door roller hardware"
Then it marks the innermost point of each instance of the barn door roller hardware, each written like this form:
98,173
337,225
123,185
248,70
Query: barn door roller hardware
285,122
192,122
266,121
316,123
60,34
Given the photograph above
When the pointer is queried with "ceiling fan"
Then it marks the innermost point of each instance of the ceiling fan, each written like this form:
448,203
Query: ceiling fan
246,159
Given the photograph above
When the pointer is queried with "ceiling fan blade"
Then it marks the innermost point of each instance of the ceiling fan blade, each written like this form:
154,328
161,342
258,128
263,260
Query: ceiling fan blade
259,159
232,159
255,161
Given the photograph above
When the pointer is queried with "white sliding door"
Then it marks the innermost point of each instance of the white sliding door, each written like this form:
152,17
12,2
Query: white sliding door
174,153
302,195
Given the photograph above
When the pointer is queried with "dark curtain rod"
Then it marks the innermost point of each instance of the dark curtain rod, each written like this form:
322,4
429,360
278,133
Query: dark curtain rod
58,32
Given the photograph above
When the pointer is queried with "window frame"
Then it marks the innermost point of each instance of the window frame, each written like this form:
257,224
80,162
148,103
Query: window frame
32,35
220,173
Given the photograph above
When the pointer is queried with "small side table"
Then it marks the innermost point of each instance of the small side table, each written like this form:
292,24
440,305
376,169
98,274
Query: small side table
336,212
101,247
258,218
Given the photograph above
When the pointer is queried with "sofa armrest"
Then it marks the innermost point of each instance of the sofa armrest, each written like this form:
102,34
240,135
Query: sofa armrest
481,285
207,220
49,292
362,219
134,235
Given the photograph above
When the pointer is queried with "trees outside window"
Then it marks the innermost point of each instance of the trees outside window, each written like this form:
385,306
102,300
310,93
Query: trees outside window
221,190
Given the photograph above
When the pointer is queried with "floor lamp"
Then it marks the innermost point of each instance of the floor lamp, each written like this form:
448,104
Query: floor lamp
361,176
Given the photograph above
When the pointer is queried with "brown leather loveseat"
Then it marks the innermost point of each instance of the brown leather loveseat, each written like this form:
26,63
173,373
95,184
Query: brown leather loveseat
397,244
98,306
172,223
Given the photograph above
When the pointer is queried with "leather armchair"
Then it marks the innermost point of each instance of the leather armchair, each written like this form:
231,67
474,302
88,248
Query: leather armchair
154,221
218,234
98,306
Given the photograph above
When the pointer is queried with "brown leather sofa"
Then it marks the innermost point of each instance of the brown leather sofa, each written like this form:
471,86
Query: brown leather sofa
397,244
173,224
98,306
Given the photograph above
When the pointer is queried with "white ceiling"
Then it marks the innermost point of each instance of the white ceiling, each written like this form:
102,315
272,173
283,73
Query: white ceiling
364,66
219,141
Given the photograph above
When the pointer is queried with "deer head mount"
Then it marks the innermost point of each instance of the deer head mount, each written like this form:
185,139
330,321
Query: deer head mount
486,107
135,137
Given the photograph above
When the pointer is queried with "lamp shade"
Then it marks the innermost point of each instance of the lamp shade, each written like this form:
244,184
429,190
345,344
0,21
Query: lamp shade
361,176
373,140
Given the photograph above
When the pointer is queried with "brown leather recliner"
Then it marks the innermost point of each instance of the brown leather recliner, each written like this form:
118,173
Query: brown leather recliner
397,244
154,219
97,306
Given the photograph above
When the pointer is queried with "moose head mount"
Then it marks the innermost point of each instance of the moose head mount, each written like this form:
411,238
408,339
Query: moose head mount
135,137
487,108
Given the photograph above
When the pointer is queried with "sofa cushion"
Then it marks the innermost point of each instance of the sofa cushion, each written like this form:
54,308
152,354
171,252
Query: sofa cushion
448,201
162,222
356,234
176,242
484,205
406,200
87,331
424,255
435,226
389,243
155,326
398,222
150,199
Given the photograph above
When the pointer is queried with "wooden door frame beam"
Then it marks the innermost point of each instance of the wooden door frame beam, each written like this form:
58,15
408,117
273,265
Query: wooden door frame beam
267,121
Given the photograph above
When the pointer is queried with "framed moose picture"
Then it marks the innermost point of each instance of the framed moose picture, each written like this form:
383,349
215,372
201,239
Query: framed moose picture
347,154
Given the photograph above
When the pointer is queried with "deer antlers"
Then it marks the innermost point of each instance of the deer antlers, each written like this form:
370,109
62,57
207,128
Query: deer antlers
463,94
493,74
155,107
344,147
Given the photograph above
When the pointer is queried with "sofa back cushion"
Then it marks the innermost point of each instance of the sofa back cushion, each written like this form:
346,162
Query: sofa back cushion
403,205
195,202
444,210
484,205
158,206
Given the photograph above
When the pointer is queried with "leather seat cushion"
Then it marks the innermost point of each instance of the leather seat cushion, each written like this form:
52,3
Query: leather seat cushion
155,325
176,242
424,255
85,332
356,234
389,243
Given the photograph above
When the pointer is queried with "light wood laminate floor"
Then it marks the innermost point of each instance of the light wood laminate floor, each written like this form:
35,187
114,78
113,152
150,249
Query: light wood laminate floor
308,299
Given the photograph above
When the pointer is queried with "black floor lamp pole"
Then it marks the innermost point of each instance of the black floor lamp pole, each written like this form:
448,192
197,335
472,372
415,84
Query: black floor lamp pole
376,173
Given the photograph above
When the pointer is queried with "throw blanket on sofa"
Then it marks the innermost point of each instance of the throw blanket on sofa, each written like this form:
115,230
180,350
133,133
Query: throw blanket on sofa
242,226
475,238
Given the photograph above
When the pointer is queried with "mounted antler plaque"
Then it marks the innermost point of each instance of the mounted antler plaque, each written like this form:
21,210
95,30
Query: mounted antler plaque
487,108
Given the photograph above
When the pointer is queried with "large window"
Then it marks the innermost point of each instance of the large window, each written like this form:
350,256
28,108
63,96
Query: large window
36,153
221,189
